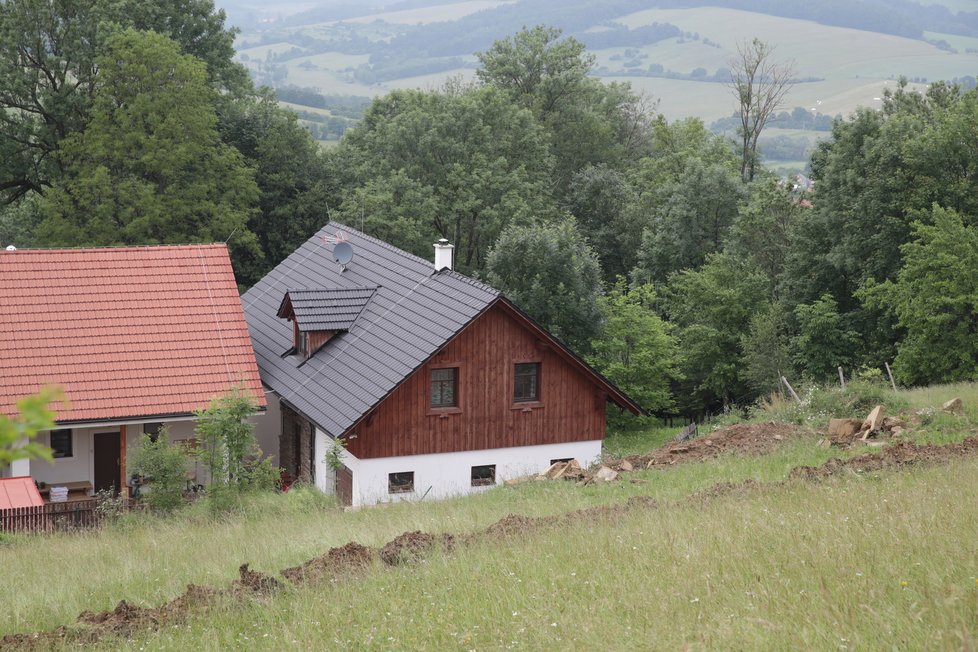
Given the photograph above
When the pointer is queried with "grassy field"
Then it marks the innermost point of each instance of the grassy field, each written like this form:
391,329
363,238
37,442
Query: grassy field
881,560
438,13
854,67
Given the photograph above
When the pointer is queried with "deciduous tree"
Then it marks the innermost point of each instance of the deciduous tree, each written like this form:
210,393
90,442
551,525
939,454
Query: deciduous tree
150,166
635,348
759,83
935,299
551,273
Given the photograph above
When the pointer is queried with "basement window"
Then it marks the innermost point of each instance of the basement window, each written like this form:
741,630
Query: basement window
560,460
444,387
400,483
483,475
61,443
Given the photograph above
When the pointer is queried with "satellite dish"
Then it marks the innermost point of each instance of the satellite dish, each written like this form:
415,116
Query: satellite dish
343,253
11,248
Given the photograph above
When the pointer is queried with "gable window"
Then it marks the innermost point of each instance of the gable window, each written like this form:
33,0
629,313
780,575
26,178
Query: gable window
483,475
444,387
399,483
61,443
527,385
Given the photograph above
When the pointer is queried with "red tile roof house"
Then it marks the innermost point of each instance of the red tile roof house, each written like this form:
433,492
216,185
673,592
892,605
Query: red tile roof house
438,384
136,337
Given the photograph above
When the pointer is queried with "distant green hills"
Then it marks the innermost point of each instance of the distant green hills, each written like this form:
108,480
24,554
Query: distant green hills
845,52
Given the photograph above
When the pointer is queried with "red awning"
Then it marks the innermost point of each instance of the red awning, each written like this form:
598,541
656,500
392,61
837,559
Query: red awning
19,492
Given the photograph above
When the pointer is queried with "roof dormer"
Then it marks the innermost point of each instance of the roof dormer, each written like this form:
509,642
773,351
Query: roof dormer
318,315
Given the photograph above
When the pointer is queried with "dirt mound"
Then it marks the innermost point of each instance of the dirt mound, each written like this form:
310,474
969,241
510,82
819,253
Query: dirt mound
741,438
510,525
352,557
411,547
898,454
255,581
641,502
724,489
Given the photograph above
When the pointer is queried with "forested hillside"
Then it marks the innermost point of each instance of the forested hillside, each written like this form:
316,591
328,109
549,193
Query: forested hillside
641,241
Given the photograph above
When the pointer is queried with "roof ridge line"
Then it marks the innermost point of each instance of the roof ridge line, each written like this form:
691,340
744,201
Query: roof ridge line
386,245
188,245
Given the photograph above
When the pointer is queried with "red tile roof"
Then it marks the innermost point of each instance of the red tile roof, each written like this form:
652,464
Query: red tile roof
127,332
19,492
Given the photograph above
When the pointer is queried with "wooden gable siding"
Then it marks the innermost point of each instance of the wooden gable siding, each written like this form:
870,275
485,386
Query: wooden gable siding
571,406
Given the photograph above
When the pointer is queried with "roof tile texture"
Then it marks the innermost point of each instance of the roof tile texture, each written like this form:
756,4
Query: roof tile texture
126,332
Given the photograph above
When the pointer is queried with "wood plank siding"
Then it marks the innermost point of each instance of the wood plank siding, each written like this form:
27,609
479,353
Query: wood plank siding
571,405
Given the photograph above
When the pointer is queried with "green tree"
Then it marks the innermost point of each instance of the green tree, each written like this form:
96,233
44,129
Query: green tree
294,187
164,465
601,199
460,164
34,415
824,341
935,300
763,229
150,167
765,346
49,71
711,307
589,122
536,66
635,348
227,440
693,222
550,272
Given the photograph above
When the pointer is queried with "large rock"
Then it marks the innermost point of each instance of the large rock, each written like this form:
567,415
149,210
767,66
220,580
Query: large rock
844,431
874,421
605,474
954,406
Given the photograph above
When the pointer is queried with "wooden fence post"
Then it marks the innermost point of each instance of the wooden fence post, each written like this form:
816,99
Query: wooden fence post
890,374
842,379
790,388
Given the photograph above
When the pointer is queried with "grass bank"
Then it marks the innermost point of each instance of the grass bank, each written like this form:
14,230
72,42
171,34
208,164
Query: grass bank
794,565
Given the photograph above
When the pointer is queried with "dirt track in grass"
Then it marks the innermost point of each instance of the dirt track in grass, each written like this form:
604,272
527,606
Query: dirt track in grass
352,559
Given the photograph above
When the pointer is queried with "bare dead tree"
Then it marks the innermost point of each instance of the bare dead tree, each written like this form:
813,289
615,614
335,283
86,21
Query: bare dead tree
760,84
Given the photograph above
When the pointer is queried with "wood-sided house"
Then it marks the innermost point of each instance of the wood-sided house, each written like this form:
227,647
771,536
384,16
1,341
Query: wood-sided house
137,338
436,383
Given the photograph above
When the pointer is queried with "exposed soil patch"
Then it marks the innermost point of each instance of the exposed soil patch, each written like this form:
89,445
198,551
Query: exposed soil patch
898,454
411,547
724,489
256,582
513,525
741,438
350,558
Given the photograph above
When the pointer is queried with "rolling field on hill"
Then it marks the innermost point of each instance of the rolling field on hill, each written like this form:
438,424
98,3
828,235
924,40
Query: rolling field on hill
704,550
839,68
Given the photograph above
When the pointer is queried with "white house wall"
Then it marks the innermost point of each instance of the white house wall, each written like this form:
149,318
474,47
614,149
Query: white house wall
81,465
268,426
443,475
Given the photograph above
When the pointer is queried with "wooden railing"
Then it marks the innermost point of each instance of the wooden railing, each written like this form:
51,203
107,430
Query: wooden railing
53,517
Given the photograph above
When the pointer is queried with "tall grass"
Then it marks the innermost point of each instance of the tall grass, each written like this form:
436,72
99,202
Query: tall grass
753,562
886,562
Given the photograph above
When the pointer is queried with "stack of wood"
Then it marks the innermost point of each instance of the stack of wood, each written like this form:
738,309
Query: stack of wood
571,470
845,432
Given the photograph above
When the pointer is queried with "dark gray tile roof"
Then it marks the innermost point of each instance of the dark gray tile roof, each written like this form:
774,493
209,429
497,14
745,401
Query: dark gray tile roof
412,313
333,309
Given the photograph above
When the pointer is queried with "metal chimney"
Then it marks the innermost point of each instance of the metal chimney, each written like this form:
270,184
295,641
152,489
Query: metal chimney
444,252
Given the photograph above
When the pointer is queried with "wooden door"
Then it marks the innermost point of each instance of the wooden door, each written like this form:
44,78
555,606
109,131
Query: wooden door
108,463
344,486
